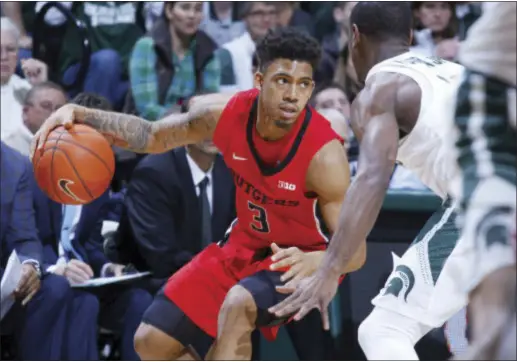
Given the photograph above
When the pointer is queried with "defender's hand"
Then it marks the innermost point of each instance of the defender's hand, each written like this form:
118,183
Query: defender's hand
64,116
300,264
316,291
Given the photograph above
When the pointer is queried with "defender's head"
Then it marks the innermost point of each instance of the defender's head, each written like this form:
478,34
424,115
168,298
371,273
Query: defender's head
287,60
377,24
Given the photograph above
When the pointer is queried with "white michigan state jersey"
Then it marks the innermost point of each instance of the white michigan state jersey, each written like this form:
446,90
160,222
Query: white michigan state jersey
425,150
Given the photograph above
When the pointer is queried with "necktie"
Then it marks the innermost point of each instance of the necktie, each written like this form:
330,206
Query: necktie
206,216
69,212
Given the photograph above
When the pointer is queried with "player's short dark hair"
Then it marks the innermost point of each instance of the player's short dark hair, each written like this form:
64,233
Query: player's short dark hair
288,43
383,20
92,100
42,86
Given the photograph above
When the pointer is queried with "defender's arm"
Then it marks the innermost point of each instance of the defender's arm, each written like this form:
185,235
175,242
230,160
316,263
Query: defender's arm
377,128
329,177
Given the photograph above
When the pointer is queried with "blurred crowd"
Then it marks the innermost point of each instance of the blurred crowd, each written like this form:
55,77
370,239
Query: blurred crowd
149,59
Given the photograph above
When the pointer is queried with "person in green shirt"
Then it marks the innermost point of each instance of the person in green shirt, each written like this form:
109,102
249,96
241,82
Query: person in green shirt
113,28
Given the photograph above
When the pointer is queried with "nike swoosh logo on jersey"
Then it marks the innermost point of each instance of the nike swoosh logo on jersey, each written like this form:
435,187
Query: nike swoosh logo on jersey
237,158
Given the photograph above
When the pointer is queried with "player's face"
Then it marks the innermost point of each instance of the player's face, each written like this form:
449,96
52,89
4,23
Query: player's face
185,16
285,88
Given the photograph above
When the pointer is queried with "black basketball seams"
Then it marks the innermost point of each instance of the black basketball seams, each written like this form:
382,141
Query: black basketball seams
54,184
111,172
76,173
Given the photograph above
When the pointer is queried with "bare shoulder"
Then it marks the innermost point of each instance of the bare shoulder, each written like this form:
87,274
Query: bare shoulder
206,110
329,171
383,93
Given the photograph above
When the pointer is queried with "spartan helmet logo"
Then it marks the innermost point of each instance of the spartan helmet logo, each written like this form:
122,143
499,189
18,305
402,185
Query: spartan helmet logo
63,184
495,227
403,278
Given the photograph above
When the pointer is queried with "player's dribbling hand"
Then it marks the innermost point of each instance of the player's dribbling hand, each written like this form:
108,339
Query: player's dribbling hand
313,292
64,116
299,263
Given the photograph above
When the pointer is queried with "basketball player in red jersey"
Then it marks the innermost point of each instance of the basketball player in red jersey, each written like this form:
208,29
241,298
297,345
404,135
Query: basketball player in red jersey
287,162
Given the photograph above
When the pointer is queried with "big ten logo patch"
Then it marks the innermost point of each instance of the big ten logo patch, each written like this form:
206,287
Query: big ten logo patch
286,186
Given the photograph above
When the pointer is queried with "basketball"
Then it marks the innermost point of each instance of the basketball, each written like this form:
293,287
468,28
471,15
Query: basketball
75,166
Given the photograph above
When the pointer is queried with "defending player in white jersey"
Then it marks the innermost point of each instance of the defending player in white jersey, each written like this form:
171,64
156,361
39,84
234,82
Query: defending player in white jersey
485,148
403,115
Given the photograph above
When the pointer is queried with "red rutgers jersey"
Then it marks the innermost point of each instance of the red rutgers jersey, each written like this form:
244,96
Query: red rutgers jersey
272,202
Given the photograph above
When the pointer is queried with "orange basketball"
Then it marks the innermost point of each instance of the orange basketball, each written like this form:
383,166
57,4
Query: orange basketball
75,166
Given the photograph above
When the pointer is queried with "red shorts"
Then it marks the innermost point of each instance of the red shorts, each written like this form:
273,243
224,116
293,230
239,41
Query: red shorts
200,287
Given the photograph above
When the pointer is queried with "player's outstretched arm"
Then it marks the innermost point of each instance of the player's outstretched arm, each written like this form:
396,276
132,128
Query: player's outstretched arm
373,119
329,177
137,134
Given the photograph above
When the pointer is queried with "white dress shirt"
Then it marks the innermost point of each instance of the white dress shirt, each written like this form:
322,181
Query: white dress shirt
197,176
13,131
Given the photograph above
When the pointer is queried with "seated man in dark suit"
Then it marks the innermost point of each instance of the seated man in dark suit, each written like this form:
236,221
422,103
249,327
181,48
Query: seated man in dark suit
73,245
38,318
176,203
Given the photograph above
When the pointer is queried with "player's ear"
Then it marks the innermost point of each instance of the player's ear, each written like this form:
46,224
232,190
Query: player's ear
355,35
258,80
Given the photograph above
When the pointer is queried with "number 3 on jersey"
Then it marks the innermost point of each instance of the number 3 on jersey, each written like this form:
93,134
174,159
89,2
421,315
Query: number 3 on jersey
259,223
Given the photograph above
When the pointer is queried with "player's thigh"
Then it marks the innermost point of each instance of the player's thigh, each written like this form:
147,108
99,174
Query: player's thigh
423,283
166,328
261,286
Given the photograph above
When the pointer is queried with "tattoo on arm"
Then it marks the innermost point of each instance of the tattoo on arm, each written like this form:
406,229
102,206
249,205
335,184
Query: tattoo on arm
138,135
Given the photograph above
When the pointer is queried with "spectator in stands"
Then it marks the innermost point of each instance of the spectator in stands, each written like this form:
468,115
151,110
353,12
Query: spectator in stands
73,248
113,29
15,11
338,122
468,13
333,43
173,63
237,56
221,21
333,97
163,223
14,88
436,26
289,14
38,318
39,103
345,75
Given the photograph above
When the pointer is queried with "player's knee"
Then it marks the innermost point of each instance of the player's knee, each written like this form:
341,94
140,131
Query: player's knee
142,340
239,301
152,344
386,325
367,330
